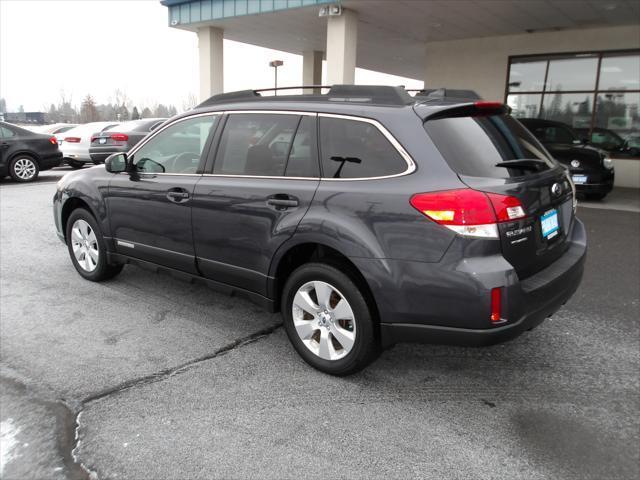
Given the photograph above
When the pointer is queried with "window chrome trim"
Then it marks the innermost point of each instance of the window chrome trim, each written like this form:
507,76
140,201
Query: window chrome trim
272,112
411,165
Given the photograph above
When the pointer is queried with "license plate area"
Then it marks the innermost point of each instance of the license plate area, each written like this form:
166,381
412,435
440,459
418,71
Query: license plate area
579,179
549,224
102,141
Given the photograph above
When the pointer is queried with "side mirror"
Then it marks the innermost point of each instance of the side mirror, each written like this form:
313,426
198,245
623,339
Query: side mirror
116,163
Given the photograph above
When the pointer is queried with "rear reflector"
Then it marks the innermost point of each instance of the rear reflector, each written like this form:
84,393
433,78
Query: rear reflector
53,141
469,212
72,139
496,304
119,137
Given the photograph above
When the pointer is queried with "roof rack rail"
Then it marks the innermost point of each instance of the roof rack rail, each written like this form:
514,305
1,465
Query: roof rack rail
374,94
446,94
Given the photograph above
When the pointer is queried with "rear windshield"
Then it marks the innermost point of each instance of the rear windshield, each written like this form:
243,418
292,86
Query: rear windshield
473,146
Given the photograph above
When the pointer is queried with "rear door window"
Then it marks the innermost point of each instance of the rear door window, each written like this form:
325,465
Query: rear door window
255,144
473,146
356,149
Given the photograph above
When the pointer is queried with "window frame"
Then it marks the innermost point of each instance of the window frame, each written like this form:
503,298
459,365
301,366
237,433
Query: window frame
549,57
204,155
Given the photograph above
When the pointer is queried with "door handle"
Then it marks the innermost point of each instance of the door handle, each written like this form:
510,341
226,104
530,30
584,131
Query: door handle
178,195
282,201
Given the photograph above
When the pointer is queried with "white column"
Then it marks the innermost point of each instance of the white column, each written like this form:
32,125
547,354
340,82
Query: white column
342,38
312,67
210,55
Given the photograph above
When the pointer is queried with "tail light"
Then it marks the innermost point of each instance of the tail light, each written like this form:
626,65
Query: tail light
93,139
53,141
469,212
119,137
72,139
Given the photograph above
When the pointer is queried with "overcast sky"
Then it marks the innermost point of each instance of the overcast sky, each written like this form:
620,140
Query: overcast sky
97,46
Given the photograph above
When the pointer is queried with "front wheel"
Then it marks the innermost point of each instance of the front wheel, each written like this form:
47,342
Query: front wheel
87,248
24,169
328,320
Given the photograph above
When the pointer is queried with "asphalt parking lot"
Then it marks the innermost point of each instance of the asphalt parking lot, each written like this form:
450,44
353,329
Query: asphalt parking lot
173,380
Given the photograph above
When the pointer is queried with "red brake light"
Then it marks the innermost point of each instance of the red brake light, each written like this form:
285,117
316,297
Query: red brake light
467,211
507,208
53,141
496,304
455,207
119,137
72,139
482,105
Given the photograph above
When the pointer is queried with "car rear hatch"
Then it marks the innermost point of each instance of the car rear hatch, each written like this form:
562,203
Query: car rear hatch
109,138
493,153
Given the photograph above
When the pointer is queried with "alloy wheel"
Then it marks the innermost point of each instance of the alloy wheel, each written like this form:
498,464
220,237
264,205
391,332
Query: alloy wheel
25,168
85,245
324,320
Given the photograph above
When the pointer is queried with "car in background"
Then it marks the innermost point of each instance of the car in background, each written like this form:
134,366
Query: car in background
54,128
610,141
23,153
75,146
121,138
590,168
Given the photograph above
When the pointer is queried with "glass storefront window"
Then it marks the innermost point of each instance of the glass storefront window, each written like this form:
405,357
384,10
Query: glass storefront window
567,88
618,112
527,76
574,109
524,105
572,74
620,73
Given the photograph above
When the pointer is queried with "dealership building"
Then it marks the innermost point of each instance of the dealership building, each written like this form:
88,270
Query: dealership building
576,61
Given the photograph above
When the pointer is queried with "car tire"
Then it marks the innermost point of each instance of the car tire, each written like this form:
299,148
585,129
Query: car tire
87,248
338,340
24,168
75,164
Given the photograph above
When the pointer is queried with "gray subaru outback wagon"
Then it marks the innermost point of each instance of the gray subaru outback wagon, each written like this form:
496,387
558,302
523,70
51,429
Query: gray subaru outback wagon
365,215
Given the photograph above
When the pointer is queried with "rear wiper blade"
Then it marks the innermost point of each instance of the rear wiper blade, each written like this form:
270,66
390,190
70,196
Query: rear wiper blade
525,164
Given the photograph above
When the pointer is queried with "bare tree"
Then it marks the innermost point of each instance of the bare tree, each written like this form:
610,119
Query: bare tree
88,110
189,102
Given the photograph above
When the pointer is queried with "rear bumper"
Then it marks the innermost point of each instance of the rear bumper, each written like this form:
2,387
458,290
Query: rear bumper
51,161
450,304
100,154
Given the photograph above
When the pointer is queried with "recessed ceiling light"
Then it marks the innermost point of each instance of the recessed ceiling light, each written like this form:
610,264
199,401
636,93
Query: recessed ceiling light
610,6
435,25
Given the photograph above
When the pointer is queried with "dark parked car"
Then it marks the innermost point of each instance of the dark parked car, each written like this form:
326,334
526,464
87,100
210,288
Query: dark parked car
366,216
610,141
23,153
121,138
591,168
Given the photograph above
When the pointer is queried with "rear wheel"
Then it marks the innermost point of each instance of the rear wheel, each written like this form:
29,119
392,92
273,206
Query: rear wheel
75,164
87,248
328,320
24,168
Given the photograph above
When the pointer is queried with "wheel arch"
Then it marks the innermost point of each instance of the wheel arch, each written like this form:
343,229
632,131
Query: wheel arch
71,204
28,153
293,256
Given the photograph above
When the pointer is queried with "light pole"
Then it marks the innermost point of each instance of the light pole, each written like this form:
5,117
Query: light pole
275,64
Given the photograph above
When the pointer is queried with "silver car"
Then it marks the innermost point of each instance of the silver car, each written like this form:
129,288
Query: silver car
75,146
